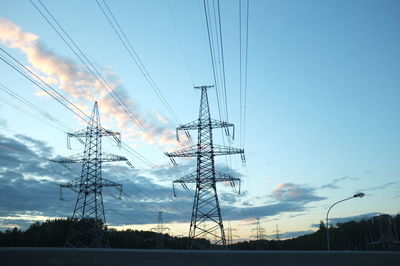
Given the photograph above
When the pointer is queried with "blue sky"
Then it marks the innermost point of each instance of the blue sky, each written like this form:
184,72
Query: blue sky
321,118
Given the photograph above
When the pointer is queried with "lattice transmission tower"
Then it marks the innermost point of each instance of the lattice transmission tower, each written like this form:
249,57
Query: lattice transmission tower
230,235
259,231
88,227
160,229
277,233
206,207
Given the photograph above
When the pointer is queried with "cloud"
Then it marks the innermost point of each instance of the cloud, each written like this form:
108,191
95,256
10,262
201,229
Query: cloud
289,192
353,218
3,123
348,219
252,212
29,188
383,186
29,191
27,180
295,234
333,184
288,197
84,88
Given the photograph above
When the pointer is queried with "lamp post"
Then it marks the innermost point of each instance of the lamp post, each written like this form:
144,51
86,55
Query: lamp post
358,195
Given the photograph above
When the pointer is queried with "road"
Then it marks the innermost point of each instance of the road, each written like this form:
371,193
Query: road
122,257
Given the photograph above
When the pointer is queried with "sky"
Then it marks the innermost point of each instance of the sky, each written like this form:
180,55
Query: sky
321,110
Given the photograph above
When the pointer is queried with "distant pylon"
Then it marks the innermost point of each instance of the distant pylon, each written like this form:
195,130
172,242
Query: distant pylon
88,227
160,229
259,231
206,204
277,233
229,234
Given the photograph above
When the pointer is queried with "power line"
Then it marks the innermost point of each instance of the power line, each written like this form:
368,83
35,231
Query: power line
245,75
55,120
240,74
217,51
136,59
180,41
127,148
4,88
117,98
34,107
61,99
212,55
97,75
223,61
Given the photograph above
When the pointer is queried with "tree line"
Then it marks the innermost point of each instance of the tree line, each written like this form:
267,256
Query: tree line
376,233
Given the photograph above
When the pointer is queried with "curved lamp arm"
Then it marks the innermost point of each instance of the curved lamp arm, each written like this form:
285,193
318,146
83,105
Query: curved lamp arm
358,195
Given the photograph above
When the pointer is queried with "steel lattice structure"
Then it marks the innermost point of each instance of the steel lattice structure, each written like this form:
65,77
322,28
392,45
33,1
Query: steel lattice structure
206,207
260,232
88,227
160,229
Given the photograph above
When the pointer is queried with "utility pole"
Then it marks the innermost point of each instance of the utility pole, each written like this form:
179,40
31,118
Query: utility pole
160,229
206,204
88,227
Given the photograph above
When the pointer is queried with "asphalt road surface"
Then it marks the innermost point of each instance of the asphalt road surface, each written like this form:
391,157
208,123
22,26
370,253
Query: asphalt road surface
122,257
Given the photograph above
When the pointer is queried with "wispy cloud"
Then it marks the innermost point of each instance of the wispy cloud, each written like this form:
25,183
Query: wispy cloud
383,186
84,88
334,183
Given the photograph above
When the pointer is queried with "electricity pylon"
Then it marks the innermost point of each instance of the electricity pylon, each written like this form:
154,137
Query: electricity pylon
206,204
88,227
230,235
259,231
160,229
277,234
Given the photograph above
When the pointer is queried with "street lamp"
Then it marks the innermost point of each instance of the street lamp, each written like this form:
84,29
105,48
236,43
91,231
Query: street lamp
358,195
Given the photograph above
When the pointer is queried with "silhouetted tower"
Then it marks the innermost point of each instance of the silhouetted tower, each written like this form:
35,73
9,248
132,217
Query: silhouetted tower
259,231
89,223
206,205
277,233
160,229
229,234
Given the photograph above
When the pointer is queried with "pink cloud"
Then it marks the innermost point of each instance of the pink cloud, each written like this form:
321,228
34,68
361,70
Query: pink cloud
84,88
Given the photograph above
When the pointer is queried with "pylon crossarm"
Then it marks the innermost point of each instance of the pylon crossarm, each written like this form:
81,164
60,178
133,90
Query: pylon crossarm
108,183
187,152
80,158
183,182
222,177
187,179
78,134
101,133
69,140
189,126
77,158
195,125
106,157
224,150
217,150
71,186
